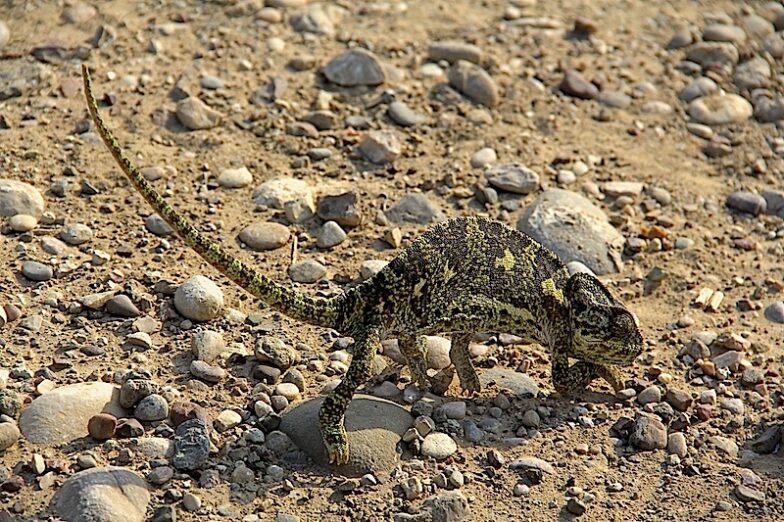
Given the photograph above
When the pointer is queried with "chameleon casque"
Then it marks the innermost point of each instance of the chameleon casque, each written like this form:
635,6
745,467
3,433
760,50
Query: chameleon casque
461,276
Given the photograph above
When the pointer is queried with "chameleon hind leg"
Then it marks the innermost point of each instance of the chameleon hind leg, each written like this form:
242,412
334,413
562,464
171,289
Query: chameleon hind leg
414,349
461,358
332,414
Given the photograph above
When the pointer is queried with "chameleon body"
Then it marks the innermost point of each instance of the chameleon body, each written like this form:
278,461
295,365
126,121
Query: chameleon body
460,277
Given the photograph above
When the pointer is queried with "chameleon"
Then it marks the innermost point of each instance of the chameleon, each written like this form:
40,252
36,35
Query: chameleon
461,276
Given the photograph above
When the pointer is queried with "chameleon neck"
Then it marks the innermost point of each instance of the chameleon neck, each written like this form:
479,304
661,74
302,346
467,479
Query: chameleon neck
320,312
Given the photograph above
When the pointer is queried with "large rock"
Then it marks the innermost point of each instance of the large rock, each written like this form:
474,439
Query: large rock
374,428
574,228
61,415
519,384
108,494
17,197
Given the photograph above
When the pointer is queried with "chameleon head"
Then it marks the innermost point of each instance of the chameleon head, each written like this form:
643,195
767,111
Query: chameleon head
603,330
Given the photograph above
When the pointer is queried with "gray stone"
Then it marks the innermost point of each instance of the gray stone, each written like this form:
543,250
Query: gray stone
134,390
713,54
519,384
5,34
774,44
61,415
452,51
648,433
676,444
199,299
265,235
207,372
474,83
76,234
17,197
156,224
277,192
768,110
35,271
274,351
438,446
370,268
191,445
699,87
649,395
774,200
23,223
355,67
380,147
307,271
747,202
9,435
757,27
341,208
415,208
483,157
752,74
235,178
316,18
194,114
207,345
122,306
775,312
574,228
107,494
575,85
526,463
724,33
513,177
748,494
449,506
374,428
403,115
614,99
716,109
152,408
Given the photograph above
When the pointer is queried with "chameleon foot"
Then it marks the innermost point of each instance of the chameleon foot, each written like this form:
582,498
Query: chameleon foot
612,375
470,383
337,448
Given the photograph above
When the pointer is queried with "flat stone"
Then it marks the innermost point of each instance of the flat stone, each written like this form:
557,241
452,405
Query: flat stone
747,202
61,415
341,208
76,234
449,506
574,228
724,33
277,192
106,494
614,99
525,463
699,87
307,271
355,67
191,445
35,271
207,345
752,74
194,114
713,54
157,225
403,115
235,178
748,494
438,446
374,427
265,235
474,83
415,208
452,51
331,235
575,85
519,384
716,109
380,147
513,177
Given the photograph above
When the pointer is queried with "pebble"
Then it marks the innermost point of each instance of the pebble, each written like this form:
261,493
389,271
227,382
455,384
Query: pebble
9,435
531,419
716,109
102,426
226,420
576,506
403,115
194,114
513,177
415,208
614,99
35,271
322,120
648,433
380,147
274,351
152,408
191,445
676,444
454,410
199,299
752,74
713,54
574,84
355,67
724,33
156,225
191,502
651,394
207,345
76,234
748,494
474,83
78,13
370,268
747,202
235,178
452,51
701,86
129,428
108,494
483,157
341,209
700,130
316,18
774,44
265,235
160,475
207,372
122,306
437,352
17,197
288,390
678,399
438,446
277,192
5,34
775,312
23,223
307,271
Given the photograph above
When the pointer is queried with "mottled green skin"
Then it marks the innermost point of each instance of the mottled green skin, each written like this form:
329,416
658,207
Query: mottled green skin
463,276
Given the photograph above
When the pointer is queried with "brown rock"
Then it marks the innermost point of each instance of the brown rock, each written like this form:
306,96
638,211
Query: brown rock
102,426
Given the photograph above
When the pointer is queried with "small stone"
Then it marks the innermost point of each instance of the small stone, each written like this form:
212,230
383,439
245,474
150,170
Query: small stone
76,234
403,115
191,502
157,225
483,157
206,372
648,433
614,99
23,223
370,268
574,84
713,54
747,494
288,390
5,34
199,299
747,202
701,86
454,410
17,197
108,494
194,114
226,420
452,51
438,446
9,435
128,428
716,109
725,445
531,419
122,306
775,312
651,394
235,178
277,192
274,351
152,408
265,235
576,507
160,475
380,147
355,67
678,399
102,426
767,442
307,271
415,208
35,271
724,33
78,13
513,177
341,209
191,445
676,444
474,82
207,345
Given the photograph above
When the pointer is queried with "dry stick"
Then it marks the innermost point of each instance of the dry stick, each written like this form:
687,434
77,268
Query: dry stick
294,246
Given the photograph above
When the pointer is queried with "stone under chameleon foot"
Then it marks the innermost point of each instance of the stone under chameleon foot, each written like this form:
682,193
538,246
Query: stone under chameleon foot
462,275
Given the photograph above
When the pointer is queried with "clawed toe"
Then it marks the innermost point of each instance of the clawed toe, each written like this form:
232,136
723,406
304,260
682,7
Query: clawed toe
338,453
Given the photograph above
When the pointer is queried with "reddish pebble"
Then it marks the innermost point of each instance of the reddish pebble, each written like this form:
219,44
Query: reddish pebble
102,426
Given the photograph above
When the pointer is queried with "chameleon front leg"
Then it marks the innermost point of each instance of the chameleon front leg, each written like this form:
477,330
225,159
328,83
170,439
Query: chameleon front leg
332,414
612,375
414,349
461,358
569,379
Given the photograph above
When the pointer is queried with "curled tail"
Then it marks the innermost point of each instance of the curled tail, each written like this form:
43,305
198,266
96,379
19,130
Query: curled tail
320,312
